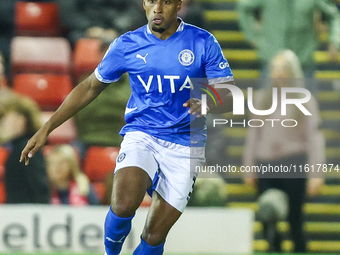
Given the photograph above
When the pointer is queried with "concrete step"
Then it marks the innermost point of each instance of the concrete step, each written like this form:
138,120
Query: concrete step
309,208
235,189
312,246
309,227
251,55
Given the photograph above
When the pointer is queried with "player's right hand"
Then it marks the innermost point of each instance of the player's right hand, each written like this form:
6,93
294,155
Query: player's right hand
33,145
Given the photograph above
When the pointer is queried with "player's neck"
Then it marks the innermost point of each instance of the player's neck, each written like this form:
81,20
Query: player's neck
167,33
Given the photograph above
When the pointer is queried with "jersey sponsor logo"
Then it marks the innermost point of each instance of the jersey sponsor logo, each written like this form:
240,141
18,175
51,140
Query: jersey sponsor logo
223,55
186,57
187,84
141,57
223,65
121,157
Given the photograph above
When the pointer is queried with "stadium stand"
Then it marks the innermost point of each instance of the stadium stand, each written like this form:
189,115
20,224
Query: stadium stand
87,55
37,19
100,188
3,156
99,161
65,133
48,90
323,211
40,55
2,192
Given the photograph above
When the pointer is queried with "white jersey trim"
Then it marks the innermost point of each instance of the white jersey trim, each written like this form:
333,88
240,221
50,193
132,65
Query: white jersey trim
101,79
221,80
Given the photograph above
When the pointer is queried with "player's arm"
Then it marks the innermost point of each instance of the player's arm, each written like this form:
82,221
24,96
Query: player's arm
80,96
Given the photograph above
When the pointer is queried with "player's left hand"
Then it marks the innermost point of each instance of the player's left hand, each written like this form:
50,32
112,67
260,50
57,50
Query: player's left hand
195,106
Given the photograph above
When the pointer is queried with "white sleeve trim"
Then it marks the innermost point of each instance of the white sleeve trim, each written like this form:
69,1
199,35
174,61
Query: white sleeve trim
101,79
221,79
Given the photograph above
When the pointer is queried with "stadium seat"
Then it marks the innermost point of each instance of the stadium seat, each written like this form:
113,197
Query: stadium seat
48,90
2,192
40,55
3,157
65,133
37,19
87,55
99,161
99,188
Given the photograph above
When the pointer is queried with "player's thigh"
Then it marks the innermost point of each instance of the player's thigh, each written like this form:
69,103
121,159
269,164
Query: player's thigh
135,169
161,217
129,186
177,175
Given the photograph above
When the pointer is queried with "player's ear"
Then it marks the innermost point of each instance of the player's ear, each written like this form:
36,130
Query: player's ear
144,4
179,5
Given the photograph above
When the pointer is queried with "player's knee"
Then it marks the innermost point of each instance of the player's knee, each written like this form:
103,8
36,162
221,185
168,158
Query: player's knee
153,238
124,208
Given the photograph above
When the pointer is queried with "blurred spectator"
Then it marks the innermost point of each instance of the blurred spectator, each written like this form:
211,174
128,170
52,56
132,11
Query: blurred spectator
192,13
274,25
6,29
69,184
81,17
3,79
19,120
100,122
285,146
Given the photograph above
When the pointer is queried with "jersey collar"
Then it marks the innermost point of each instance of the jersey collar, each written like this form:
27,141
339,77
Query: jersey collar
179,29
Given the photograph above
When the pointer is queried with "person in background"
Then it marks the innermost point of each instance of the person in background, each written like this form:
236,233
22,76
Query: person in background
193,13
7,8
69,185
283,146
98,124
19,119
3,79
273,25
83,18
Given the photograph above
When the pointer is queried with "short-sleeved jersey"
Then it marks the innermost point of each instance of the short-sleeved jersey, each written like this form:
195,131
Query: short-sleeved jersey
161,74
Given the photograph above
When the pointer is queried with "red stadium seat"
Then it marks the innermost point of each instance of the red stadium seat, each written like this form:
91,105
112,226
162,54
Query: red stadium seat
37,19
48,90
2,193
99,188
87,55
40,55
65,133
99,161
3,157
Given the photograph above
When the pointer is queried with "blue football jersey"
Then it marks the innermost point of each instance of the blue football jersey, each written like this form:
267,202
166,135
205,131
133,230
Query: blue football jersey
161,76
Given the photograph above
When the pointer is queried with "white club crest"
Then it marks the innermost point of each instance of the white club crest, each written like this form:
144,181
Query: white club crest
186,57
